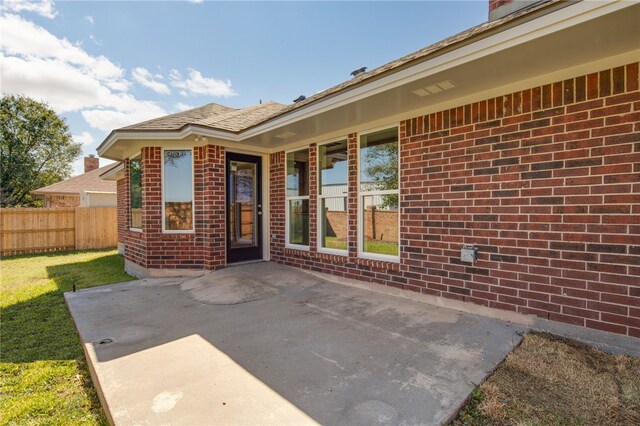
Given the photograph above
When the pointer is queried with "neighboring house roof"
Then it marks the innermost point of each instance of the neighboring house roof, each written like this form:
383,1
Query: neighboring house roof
89,181
220,117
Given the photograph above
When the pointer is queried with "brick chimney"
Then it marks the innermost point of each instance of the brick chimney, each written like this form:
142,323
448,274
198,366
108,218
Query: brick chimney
91,163
501,8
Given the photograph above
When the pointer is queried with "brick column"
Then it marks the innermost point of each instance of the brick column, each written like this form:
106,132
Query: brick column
214,207
277,205
352,197
198,249
123,196
152,190
313,198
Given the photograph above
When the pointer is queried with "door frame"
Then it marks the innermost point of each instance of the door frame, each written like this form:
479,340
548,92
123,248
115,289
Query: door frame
249,253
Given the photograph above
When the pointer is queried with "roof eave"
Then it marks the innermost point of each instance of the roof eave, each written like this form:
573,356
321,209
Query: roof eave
114,173
168,134
36,192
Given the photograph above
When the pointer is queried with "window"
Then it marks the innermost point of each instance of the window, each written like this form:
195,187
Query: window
378,194
332,196
178,190
135,193
298,198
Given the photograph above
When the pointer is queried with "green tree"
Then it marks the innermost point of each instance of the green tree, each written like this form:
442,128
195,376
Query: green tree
381,171
36,149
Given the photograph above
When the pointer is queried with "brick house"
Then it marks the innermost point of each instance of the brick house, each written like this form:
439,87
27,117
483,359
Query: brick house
85,190
519,137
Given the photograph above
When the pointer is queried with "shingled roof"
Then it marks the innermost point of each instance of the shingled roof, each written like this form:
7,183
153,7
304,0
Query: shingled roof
178,120
220,117
212,115
241,119
89,181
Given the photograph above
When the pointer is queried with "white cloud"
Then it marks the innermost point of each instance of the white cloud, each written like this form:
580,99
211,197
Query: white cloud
183,107
197,84
175,75
65,87
109,119
196,1
85,138
90,19
146,79
23,38
36,63
42,7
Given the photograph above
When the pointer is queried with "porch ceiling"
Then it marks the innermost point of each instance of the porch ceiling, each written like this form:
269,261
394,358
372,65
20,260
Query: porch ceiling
578,39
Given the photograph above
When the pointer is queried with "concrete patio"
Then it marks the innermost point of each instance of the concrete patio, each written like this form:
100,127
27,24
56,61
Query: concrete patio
267,344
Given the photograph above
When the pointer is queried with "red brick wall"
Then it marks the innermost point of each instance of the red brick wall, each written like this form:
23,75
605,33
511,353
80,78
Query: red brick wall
212,221
134,242
61,201
277,201
546,183
205,248
352,196
313,199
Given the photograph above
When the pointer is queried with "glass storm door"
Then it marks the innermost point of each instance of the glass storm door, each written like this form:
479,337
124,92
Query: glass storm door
244,208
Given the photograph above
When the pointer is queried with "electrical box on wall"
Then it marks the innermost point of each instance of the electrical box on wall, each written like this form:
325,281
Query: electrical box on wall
469,254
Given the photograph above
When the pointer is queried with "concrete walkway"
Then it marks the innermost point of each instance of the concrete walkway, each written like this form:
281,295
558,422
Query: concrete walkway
268,344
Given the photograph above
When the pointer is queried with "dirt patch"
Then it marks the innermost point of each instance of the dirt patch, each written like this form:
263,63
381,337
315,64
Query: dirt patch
548,380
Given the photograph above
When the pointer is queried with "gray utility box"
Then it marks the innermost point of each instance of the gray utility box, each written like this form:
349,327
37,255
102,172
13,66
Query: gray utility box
469,254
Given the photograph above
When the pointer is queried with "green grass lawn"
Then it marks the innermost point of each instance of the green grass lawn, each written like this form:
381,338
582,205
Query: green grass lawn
43,373
335,243
379,247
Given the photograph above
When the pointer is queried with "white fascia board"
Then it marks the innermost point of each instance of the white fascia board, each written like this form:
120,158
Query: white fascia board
166,135
208,132
112,173
99,192
555,21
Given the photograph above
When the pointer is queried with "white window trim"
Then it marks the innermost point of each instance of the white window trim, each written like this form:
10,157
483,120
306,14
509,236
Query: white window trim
360,195
297,197
321,197
287,244
137,157
193,195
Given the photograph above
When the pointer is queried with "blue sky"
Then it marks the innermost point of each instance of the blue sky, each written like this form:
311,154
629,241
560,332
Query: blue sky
104,65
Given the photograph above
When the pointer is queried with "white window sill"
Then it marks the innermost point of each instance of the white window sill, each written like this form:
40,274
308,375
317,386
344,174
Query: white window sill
178,232
323,250
296,247
379,257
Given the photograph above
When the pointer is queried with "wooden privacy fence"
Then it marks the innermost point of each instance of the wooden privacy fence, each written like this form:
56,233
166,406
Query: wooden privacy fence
40,230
